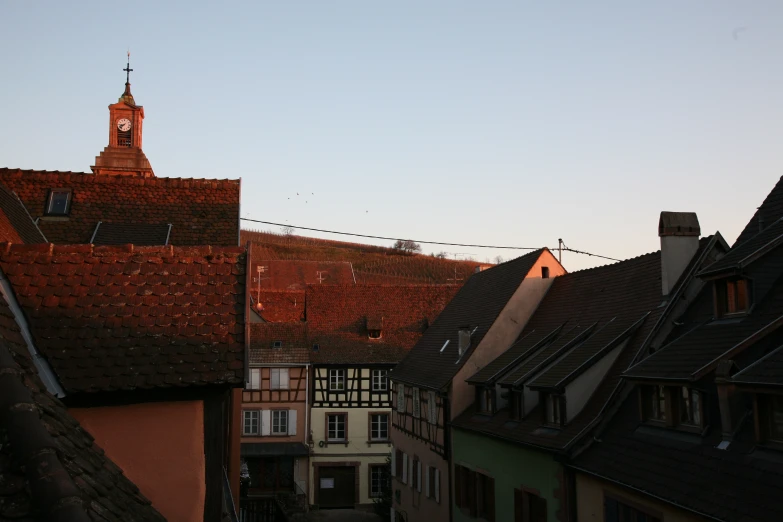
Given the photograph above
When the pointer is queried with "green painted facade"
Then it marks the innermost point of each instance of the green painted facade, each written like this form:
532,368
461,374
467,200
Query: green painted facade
513,466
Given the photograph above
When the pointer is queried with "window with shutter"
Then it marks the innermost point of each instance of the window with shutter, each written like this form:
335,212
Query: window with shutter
251,419
427,475
432,408
292,422
418,476
437,485
458,486
404,468
278,378
398,458
401,398
255,378
393,458
416,402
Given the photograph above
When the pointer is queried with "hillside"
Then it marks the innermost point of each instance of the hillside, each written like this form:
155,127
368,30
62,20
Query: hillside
371,264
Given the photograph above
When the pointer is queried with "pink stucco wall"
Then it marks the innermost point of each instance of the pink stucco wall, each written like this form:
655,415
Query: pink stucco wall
160,447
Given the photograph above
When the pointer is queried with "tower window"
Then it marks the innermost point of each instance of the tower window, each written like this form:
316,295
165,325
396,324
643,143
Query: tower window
544,272
59,202
124,138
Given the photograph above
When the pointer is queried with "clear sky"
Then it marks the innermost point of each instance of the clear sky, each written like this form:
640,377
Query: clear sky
511,123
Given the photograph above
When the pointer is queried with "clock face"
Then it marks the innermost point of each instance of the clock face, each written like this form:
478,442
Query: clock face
124,124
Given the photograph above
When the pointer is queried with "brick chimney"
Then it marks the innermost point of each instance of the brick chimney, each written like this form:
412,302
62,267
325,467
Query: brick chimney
679,233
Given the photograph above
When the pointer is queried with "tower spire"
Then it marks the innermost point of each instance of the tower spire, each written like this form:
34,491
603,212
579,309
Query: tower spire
127,96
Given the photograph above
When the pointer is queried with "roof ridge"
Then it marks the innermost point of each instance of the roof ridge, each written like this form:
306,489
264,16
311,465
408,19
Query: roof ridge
90,177
608,265
98,250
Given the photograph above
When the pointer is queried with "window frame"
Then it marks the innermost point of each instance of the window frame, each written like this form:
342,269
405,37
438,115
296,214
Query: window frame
257,431
279,387
558,403
278,411
662,393
400,398
344,416
432,408
681,407
372,467
370,426
50,200
340,376
383,379
727,297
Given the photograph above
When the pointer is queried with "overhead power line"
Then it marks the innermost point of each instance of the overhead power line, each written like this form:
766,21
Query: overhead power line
443,243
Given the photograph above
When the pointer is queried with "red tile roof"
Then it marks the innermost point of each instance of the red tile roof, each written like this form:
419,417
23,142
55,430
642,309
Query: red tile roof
295,275
111,318
338,317
201,211
50,467
293,336
16,225
280,306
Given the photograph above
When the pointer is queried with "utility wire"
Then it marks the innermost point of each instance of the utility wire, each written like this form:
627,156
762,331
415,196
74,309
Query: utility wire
565,249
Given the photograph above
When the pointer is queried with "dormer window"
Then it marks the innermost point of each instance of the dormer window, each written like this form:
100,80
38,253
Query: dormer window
484,399
374,334
59,202
732,296
654,403
673,406
690,407
555,409
277,345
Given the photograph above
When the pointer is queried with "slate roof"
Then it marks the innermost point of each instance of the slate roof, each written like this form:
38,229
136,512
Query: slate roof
295,349
742,255
139,234
477,305
770,211
594,310
16,225
338,317
739,484
50,467
121,318
767,371
698,350
201,211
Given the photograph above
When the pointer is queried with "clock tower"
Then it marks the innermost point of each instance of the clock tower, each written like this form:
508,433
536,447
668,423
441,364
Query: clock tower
123,156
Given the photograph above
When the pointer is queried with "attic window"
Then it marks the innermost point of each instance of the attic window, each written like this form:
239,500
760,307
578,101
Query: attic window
374,334
59,202
484,400
544,272
654,403
732,296
555,410
277,344
316,347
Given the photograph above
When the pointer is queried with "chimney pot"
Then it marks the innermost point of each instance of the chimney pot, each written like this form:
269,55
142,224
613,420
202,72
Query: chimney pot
679,233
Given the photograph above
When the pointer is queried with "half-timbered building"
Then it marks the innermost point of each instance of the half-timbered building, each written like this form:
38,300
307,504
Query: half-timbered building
357,334
429,388
274,412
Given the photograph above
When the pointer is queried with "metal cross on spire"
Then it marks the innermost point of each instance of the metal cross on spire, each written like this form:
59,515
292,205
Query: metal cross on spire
127,70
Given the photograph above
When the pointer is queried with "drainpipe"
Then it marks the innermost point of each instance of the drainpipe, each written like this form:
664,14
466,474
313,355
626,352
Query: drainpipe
447,448
307,427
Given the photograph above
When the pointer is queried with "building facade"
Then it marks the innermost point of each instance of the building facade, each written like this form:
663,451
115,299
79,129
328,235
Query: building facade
429,389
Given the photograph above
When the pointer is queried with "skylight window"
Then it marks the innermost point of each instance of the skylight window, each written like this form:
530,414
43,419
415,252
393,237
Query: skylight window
59,202
277,344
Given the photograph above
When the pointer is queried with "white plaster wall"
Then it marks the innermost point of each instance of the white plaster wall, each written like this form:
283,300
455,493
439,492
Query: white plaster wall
581,389
506,329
